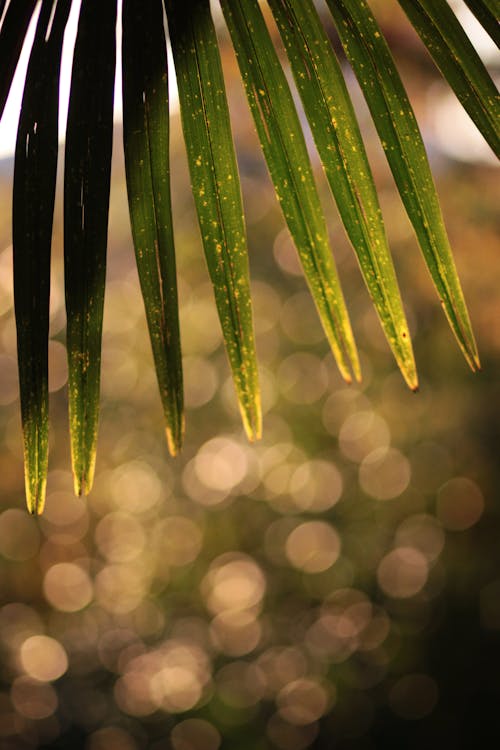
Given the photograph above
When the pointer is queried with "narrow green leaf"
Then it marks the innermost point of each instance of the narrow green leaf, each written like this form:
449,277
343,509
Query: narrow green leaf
146,145
33,208
336,132
286,154
216,191
86,203
487,13
459,63
395,121
12,32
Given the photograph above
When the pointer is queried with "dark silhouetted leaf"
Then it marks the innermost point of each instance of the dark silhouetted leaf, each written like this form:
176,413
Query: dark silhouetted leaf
86,203
33,209
146,145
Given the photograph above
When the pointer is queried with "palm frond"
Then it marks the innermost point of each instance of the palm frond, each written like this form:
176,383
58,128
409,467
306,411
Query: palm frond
87,171
215,182
146,146
33,209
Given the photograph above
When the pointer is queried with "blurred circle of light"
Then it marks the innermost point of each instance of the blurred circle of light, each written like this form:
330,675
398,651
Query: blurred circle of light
58,366
361,433
235,633
67,587
239,684
460,504
413,696
376,631
43,658
313,546
302,378
33,699
132,693
316,485
110,738
221,464
135,487
286,736
280,666
304,701
195,734
177,540
65,519
340,405
422,532
120,588
9,387
19,535
384,474
200,381
285,254
233,582
403,572
183,672
119,537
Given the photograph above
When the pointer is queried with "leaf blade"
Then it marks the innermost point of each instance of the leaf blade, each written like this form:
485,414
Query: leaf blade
284,148
146,146
336,133
487,15
459,63
86,205
216,191
12,33
395,121
33,208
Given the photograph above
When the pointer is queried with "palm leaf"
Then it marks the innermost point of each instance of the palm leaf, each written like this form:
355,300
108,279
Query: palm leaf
460,64
216,191
12,32
395,121
33,208
487,12
335,129
146,144
285,151
86,202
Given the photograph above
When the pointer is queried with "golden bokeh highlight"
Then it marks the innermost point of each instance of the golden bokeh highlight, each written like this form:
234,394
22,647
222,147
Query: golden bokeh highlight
43,658
460,504
67,587
403,572
313,546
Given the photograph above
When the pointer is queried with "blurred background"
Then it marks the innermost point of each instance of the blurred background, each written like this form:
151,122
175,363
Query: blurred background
336,585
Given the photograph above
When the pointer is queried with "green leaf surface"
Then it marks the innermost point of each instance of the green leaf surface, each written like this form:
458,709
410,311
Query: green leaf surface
286,154
395,121
86,203
146,145
216,191
487,13
459,63
33,208
336,133
12,33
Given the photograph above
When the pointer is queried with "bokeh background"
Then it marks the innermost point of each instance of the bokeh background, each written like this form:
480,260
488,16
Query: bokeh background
336,585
